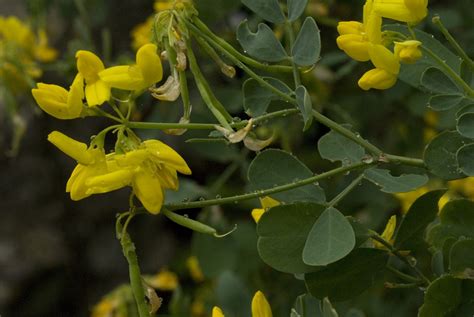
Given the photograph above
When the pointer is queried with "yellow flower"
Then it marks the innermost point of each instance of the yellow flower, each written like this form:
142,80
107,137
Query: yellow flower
75,149
197,308
165,280
162,5
104,308
388,232
267,202
58,102
407,199
411,11
192,264
146,72
217,312
15,31
408,51
42,51
355,37
260,306
464,186
89,66
386,70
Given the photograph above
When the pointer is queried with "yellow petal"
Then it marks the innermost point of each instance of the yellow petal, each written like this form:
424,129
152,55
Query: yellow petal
89,65
75,149
148,190
217,312
408,51
168,178
108,182
75,97
192,263
350,27
389,230
377,79
268,202
260,306
411,11
166,155
52,99
384,59
355,46
150,64
123,77
165,280
257,214
97,93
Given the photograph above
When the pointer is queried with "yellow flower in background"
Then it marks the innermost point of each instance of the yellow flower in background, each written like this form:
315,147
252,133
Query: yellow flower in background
58,102
411,11
89,65
408,51
145,73
407,199
141,34
386,69
217,312
165,280
388,232
192,263
162,5
267,202
198,309
105,308
260,306
43,52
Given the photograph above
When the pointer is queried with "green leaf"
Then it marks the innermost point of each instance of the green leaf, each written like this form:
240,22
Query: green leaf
262,45
461,259
465,109
421,213
465,125
395,184
335,147
307,47
361,232
283,231
437,81
295,9
276,167
205,247
442,297
348,277
266,9
330,239
440,155
446,250
456,221
445,102
306,306
257,98
328,310
465,157
305,105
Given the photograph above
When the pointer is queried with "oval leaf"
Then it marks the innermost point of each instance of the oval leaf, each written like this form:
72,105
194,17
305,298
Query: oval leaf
395,184
436,81
442,297
276,167
262,45
307,47
465,157
348,277
440,155
267,9
465,125
335,147
296,8
305,105
283,231
330,239
444,102
257,98
465,109
461,259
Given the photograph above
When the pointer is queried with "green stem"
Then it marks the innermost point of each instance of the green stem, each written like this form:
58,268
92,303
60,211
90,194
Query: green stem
183,85
375,236
346,191
396,285
209,126
231,50
266,192
403,276
291,36
135,276
405,160
102,113
469,91
437,21
211,101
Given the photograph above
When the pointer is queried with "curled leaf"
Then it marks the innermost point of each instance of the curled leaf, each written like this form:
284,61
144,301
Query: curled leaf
169,91
254,144
183,120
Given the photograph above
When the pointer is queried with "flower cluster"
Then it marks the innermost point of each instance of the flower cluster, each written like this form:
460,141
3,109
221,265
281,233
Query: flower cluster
20,51
364,41
149,168
94,82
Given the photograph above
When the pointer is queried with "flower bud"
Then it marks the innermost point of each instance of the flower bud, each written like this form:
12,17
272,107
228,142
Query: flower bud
408,51
377,78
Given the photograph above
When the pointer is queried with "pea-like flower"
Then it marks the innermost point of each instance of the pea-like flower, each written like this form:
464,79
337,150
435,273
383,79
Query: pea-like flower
89,66
146,72
385,73
408,51
388,232
58,102
149,169
260,307
411,11
267,202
